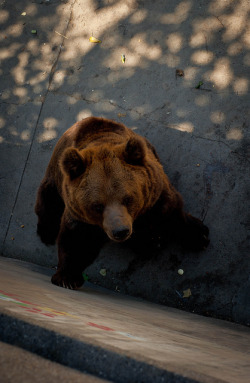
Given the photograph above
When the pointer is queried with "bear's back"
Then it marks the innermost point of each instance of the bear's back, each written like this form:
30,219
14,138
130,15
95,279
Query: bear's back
94,129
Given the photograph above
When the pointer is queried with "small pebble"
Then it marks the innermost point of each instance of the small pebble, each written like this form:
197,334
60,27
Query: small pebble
103,272
179,72
180,272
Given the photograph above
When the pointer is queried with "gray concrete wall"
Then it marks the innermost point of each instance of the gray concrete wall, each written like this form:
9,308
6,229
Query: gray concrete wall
53,78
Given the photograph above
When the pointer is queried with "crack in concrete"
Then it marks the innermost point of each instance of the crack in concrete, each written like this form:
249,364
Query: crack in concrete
24,102
53,68
11,103
79,97
38,119
219,141
210,169
143,115
217,17
224,143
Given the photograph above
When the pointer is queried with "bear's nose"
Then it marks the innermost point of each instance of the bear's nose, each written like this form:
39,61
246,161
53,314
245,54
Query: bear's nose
121,234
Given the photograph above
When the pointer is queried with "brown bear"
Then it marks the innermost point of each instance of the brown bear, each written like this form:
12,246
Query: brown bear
104,180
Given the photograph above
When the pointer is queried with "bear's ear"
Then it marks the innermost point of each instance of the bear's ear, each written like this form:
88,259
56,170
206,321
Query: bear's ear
135,151
72,163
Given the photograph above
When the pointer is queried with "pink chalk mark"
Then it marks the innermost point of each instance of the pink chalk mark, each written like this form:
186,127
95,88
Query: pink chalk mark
99,326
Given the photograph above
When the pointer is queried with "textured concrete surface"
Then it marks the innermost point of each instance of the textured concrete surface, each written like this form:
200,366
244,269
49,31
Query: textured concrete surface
18,366
112,336
55,77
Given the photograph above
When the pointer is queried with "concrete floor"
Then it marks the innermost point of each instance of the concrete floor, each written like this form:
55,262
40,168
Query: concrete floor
111,336
54,76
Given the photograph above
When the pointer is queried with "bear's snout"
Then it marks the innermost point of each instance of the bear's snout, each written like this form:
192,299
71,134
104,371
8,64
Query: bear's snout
121,234
117,223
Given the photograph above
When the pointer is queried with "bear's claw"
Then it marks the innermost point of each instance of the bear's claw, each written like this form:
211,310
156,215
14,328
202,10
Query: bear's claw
67,281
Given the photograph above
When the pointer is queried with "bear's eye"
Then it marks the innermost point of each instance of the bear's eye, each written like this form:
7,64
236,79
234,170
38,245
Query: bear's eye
98,208
127,201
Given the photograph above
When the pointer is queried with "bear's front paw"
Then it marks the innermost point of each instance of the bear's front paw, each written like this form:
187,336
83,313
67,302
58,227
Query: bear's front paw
195,234
69,281
47,236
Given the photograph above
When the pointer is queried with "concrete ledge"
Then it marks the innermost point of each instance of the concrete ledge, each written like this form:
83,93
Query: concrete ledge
19,366
81,356
113,336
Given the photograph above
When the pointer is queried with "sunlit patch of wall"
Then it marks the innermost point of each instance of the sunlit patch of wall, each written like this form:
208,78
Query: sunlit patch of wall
49,130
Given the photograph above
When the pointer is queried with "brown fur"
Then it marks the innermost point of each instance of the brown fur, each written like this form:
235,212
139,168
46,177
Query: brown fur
104,178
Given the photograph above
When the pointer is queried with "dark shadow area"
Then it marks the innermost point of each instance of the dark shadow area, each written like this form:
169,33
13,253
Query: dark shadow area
184,85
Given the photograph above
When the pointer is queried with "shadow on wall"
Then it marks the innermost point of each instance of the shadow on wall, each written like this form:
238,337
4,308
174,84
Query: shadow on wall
208,40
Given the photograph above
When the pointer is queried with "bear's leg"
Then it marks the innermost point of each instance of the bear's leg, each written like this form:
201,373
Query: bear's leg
179,226
161,229
193,233
186,230
78,246
49,209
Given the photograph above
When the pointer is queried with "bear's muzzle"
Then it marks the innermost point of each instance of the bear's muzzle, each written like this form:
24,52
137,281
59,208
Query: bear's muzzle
117,223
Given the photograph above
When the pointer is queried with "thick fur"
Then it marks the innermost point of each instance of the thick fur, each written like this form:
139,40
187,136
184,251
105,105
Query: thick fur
104,180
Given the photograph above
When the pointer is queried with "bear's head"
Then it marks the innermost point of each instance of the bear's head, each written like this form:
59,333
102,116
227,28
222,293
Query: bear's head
110,185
